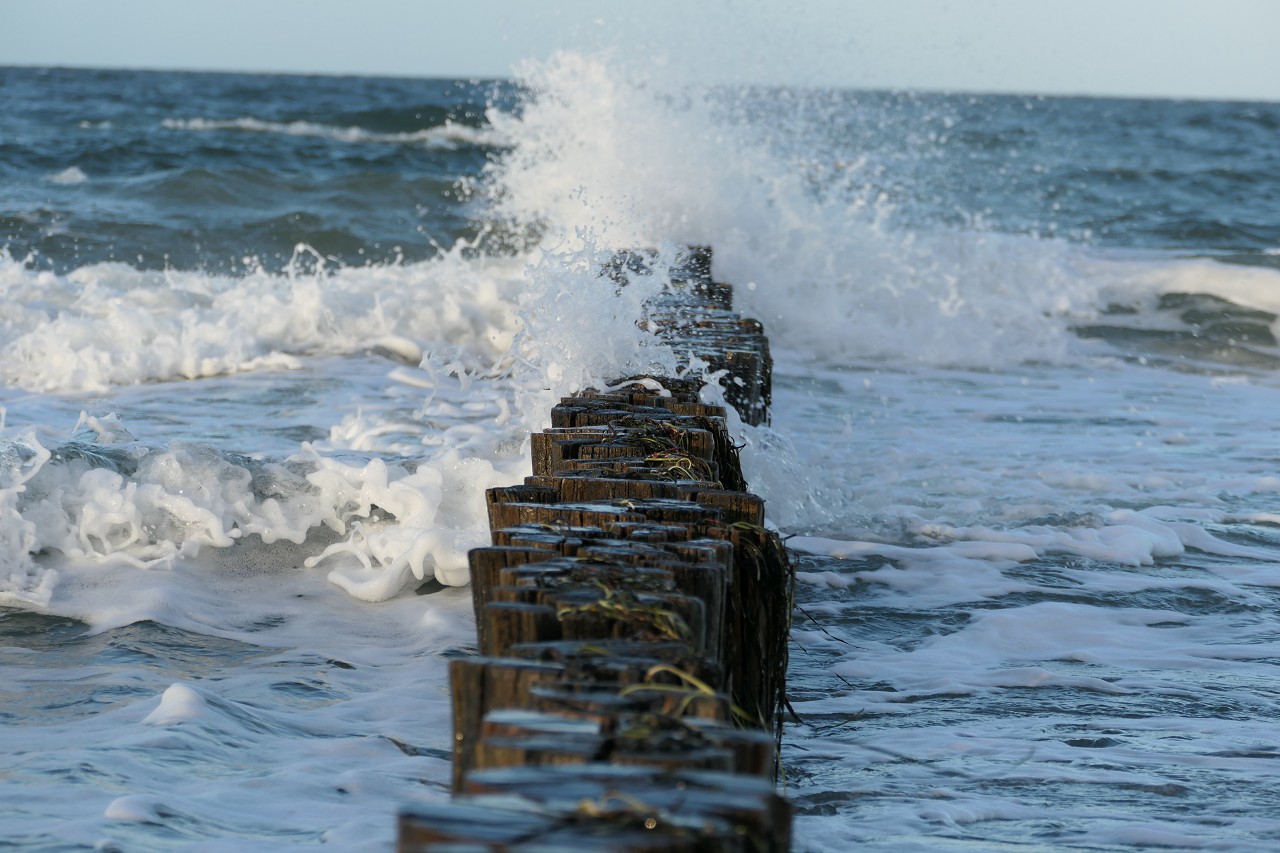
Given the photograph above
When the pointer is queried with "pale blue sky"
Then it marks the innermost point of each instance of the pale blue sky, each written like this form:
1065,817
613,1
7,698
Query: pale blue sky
1179,48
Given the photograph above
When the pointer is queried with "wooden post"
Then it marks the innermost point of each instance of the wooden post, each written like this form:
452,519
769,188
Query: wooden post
632,617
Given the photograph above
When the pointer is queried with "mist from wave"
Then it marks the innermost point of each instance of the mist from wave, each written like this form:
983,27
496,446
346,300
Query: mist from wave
815,202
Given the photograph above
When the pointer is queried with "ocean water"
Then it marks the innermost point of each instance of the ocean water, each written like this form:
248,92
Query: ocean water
264,342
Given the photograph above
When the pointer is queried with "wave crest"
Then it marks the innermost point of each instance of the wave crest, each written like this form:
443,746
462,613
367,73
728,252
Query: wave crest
109,324
448,135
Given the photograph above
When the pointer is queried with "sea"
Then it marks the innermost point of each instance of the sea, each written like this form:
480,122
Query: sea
265,340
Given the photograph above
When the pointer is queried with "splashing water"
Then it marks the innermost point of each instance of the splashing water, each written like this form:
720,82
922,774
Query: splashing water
1032,476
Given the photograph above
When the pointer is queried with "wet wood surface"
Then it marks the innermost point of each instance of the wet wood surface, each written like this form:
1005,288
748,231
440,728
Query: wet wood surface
632,617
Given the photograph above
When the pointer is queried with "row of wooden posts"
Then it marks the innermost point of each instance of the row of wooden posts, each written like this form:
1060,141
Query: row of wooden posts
632,618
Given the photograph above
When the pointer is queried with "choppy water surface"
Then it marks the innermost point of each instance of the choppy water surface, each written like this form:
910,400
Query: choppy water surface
265,341
1063,634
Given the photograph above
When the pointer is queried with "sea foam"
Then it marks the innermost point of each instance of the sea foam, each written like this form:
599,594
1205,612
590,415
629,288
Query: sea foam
68,176
448,135
109,324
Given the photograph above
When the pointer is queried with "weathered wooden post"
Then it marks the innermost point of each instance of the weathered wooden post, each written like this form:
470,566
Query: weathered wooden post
632,619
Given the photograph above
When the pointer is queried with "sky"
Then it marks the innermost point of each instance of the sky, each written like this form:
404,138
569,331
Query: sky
1165,48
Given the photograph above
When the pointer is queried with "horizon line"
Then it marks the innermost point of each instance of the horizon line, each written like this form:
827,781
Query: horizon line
484,78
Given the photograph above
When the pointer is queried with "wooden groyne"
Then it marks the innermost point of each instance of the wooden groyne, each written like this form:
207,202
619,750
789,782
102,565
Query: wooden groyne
632,618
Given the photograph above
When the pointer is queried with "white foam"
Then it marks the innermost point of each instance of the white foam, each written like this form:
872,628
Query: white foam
179,704
430,519
109,324
632,162
21,581
137,808
394,524
491,364
447,135
68,176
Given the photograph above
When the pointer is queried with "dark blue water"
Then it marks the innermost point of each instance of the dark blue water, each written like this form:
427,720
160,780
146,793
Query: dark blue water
365,170
345,165
1165,175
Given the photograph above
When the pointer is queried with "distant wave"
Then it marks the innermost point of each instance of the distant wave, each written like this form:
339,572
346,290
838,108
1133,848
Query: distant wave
448,135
